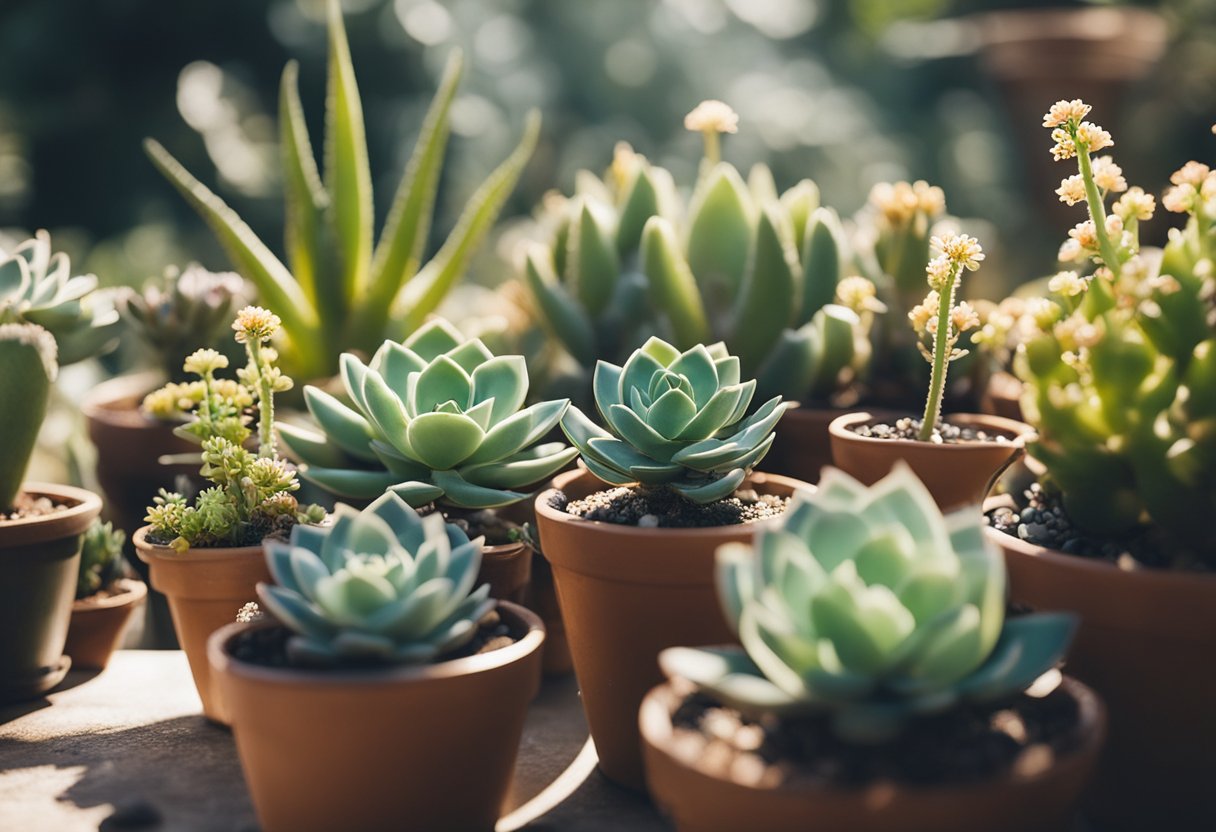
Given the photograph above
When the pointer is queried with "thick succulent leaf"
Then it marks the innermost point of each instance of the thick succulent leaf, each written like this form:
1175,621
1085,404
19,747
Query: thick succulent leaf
660,351
520,473
768,297
930,590
791,365
640,204
309,447
483,413
655,474
835,328
798,203
306,569
606,385
278,560
395,363
761,185
402,467
344,427
672,283
14,278
442,381
900,498
417,494
630,427
471,354
711,453
730,676
592,258
714,490
607,473
444,440
822,262
636,375
293,611
1029,646
459,491
504,379
351,483
836,536
353,372
560,313
713,414
728,368
671,413
748,460
864,624
304,197
720,229
697,365
580,430
386,412
434,338
405,523
954,652
735,576
519,431
765,645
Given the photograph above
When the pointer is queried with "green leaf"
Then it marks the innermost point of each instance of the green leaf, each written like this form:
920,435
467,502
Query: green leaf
720,231
560,314
417,494
768,297
672,283
386,410
519,431
798,203
822,262
580,430
671,413
518,473
444,440
442,381
503,378
304,196
641,203
714,414
350,483
458,491
1029,646
790,366
309,447
836,328
344,427
641,435
592,260
714,490
697,365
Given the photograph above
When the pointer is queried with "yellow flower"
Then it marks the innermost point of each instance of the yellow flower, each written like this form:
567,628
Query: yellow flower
202,362
1108,176
1062,112
712,115
1135,204
254,322
1069,284
1072,189
962,249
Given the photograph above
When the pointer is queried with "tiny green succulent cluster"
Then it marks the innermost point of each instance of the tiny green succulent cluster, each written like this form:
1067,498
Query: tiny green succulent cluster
1121,377
101,561
37,287
382,585
436,418
763,272
868,607
675,420
27,368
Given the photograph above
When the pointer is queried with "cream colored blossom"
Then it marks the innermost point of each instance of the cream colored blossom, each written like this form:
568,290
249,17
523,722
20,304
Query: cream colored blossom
1165,284
254,322
925,314
964,317
1062,112
1179,199
1093,137
712,116
204,361
1108,176
1192,173
1135,204
624,163
1065,147
1068,283
900,202
1085,235
1072,189
859,294
939,272
1043,312
962,249
1114,225
1070,250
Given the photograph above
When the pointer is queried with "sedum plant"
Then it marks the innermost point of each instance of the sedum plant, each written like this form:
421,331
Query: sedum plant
1121,375
739,263
675,420
436,418
869,607
337,290
28,366
37,287
251,493
382,585
101,560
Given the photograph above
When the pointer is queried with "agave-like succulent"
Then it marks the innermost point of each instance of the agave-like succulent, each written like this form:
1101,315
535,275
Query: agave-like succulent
27,370
675,420
379,585
37,287
437,417
868,605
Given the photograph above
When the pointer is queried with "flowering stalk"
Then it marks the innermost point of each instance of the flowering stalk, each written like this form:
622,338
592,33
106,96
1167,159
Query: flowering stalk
254,327
712,118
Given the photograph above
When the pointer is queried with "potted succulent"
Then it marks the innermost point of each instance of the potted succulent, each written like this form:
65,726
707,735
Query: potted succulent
385,673
766,273
879,686
631,538
1121,389
206,555
440,421
959,456
337,291
106,597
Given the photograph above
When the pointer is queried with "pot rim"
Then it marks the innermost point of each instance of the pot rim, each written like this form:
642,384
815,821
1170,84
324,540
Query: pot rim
148,552
222,661
1019,432
133,591
654,722
100,404
74,519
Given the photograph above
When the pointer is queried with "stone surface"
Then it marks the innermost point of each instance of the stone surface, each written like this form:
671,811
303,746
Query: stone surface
130,741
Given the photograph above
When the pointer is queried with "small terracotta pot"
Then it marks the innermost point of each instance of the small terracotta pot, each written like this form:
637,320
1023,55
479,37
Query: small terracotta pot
1003,396
955,475
699,800
1145,643
626,594
420,748
206,588
802,445
98,623
507,568
41,558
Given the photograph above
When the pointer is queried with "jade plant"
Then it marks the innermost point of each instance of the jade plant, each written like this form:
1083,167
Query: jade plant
378,586
37,287
1121,376
437,418
740,263
251,493
868,607
675,420
27,367
337,290
101,561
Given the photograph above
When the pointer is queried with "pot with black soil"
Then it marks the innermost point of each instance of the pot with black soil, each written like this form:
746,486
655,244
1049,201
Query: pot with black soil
414,703
859,701
106,598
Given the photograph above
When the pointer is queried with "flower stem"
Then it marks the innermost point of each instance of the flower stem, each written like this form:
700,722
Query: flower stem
1097,211
941,357
265,391
713,146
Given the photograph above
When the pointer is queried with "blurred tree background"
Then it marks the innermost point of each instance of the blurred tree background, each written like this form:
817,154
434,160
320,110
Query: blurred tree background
848,92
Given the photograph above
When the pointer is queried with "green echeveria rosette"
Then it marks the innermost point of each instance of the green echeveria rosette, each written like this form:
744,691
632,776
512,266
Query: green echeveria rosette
382,585
437,418
868,606
675,420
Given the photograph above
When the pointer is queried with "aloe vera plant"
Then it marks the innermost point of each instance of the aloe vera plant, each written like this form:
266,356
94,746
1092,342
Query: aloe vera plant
869,607
675,420
338,291
27,369
436,418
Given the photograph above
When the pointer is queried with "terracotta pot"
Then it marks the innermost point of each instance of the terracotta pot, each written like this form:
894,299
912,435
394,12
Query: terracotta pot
699,800
955,475
41,557
1003,397
1145,643
98,623
419,748
205,588
627,593
507,568
802,445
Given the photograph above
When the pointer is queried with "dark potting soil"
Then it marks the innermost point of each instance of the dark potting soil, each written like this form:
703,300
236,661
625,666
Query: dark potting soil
267,646
664,508
964,745
27,506
944,434
485,522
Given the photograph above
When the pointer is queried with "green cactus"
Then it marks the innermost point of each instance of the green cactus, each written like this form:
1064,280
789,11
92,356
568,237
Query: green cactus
380,586
869,607
340,292
27,369
436,418
739,264
37,287
675,420
101,560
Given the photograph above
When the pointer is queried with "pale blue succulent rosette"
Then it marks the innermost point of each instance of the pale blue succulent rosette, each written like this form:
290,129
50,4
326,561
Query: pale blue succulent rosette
869,607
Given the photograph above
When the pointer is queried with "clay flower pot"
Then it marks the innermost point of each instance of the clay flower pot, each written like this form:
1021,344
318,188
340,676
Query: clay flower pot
205,588
626,594
955,474
507,568
428,747
802,445
99,621
41,557
698,800
1145,643
1003,396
